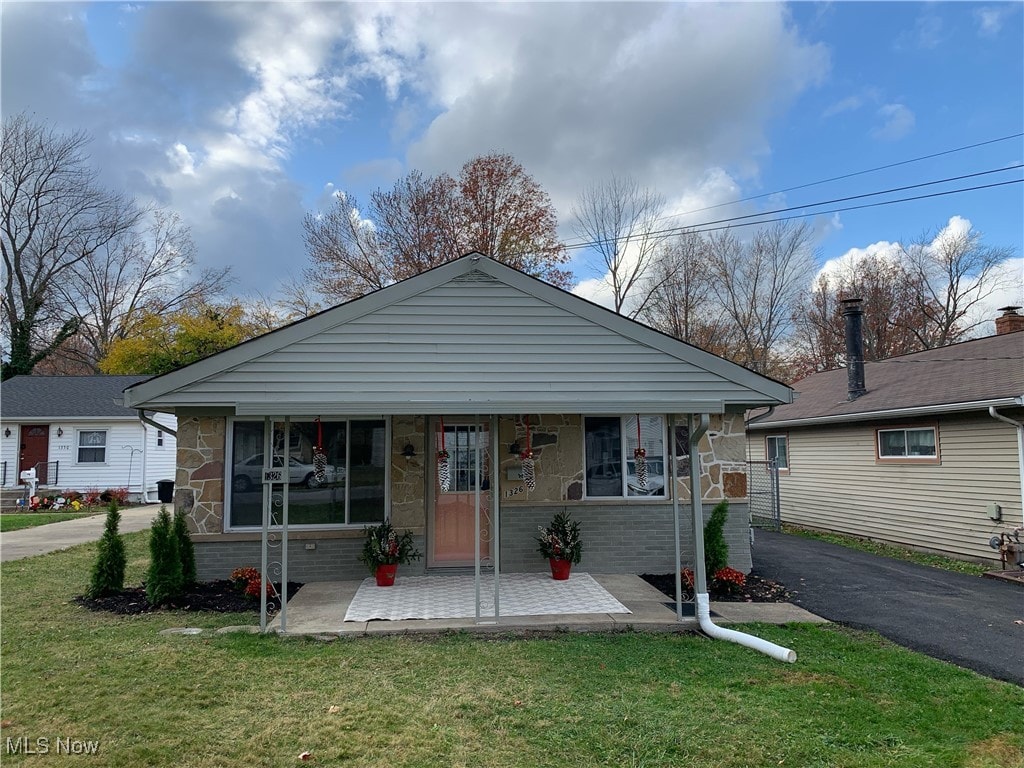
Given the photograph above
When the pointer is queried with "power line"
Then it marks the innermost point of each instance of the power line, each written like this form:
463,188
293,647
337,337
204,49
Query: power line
672,230
834,178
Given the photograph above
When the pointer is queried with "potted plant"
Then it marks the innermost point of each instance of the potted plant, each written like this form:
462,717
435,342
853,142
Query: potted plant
561,544
384,550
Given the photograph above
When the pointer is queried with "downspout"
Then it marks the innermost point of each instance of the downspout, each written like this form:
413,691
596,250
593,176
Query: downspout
703,600
1020,447
156,424
159,428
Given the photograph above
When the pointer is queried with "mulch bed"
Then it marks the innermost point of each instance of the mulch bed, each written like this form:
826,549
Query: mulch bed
756,590
215,596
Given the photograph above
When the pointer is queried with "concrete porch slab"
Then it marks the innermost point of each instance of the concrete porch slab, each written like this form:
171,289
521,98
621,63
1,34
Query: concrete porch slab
319,609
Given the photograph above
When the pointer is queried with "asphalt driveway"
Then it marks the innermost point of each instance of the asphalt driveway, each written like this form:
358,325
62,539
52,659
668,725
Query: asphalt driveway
966,620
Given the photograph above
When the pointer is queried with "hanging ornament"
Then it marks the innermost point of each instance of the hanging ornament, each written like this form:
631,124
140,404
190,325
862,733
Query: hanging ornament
319,457
640,458
529,470
444,477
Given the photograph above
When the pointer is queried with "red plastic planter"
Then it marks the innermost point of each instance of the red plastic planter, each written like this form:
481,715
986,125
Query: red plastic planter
386,574
560,569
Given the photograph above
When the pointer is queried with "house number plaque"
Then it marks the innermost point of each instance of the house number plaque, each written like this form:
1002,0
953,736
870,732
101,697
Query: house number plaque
273,476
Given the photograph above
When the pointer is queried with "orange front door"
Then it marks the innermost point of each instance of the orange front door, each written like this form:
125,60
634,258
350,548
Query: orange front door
454,510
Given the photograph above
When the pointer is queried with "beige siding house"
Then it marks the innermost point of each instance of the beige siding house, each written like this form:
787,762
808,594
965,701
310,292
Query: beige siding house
481,361
925,458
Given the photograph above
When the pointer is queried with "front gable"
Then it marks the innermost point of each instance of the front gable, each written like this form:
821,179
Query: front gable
470,336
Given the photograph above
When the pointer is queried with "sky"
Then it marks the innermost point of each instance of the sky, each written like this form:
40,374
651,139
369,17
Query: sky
244,117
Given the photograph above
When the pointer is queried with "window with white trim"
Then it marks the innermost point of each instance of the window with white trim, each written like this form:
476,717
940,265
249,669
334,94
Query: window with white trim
917,443
610,444
159,438
777,449
348,489
92,446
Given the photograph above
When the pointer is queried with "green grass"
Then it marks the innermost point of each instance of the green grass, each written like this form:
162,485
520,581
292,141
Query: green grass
853,700
891,550
15,521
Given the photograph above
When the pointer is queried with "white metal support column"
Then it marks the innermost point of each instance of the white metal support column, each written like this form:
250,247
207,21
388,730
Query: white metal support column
286,460
268,492
495,511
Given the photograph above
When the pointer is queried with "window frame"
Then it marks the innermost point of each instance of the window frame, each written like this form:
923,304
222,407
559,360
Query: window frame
907,459
784,437
229,463
625,459
78,447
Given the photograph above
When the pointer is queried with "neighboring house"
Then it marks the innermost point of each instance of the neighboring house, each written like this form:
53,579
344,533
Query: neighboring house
75,433
924,458
484,361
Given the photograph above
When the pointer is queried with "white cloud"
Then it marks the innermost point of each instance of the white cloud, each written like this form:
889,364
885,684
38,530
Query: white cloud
897,122
991,18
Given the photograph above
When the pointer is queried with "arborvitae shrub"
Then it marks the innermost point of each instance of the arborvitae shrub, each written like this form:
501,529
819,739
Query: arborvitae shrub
716,551
108,571
164,579
186,550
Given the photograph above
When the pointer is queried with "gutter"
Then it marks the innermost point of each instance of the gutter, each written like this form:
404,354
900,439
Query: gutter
145,443
922,410
703,599
1020,447
156,424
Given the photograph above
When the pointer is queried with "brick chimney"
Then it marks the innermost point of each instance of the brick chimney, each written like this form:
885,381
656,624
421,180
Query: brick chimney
1009,321
853,315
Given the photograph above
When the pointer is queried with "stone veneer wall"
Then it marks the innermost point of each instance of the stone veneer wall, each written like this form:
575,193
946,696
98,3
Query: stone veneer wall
557,444
199,479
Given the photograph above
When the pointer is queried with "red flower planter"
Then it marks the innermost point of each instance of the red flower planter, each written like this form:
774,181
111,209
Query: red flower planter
560,569
385,574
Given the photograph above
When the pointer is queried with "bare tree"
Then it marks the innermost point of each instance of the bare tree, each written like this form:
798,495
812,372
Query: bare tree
890,300
53,216
619,219
494,207
955,272
294,301
760,285
143,270
346,258
505,214
681,300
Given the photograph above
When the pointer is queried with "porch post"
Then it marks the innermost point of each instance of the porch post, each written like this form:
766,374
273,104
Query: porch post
284,525
268,434
671,419
495,511
476,515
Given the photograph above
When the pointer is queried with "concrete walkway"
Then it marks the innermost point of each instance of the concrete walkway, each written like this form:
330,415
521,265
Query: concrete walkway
967,620
28,542
319,609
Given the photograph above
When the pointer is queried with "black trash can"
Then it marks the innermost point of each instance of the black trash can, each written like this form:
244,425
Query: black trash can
165,491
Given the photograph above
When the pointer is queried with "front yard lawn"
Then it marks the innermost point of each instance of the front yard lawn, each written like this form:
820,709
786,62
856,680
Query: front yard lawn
15,521
852,700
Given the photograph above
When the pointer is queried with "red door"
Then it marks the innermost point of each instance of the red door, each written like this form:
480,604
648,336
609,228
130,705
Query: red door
454,518
35,447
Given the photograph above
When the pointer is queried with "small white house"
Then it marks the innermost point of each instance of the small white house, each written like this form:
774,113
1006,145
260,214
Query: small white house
73,431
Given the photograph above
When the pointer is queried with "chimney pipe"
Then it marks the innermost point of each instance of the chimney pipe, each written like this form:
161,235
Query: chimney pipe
853,315
1009,321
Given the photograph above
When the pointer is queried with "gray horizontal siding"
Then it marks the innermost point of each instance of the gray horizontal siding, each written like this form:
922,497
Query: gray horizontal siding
836,484
483,339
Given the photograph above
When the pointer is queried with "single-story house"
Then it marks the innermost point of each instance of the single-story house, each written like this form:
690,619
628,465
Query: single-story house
77,436
922,450
485,363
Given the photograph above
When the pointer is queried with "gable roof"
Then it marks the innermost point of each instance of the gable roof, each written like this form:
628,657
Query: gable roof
469,336
44,398
959,377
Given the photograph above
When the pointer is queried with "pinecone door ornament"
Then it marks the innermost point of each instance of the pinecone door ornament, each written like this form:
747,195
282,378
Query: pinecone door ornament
319,456
444,475
529,469
640,458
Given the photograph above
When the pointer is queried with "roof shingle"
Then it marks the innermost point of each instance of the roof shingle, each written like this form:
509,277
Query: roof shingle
45,398
984,369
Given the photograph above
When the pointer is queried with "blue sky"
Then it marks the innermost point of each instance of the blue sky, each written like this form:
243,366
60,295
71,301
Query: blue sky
243,117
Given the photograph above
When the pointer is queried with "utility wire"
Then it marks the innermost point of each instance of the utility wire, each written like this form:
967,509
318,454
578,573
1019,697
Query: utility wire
837,178
672,230
855,207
